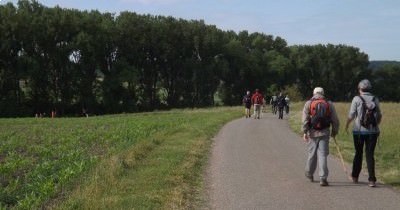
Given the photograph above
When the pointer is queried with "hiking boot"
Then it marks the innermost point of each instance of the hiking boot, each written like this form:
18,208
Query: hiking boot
354,179
311,178
371,184
323,183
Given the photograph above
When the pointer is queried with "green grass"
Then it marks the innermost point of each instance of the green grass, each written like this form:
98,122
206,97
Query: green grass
137,161
132,161
387,153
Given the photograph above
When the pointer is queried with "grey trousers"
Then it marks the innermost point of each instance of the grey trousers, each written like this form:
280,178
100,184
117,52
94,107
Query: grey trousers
257,110
318,149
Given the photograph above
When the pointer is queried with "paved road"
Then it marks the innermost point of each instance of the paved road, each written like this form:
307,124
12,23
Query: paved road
259,164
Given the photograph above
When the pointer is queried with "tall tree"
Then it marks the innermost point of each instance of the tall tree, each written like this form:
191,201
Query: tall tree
10,53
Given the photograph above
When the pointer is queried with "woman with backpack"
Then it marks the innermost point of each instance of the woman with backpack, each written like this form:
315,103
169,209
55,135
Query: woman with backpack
366,113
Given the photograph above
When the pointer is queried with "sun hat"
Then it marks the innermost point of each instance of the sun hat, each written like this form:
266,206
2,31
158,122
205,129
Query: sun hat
365,85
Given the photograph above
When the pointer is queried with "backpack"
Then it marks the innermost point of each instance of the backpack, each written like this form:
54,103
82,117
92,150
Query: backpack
258,99
368,113
281,101
247,99
320,114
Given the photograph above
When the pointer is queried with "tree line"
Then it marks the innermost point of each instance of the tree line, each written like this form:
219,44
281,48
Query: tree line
67,60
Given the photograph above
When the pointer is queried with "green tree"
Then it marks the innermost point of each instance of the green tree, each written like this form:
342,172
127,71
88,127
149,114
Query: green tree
386,85
336,68
9,52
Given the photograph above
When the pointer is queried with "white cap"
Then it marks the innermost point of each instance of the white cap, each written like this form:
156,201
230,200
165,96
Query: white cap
318,90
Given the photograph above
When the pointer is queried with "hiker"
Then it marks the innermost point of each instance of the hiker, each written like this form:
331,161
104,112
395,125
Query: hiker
318,115
257,99
281,105
273,103
287,101
247,104
366,113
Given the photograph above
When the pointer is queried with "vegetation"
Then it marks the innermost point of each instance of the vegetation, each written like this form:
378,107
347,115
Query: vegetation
144,161
376,65
387,87
387,153
71,61
68,61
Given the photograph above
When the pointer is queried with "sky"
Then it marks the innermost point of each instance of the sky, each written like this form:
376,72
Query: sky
373,26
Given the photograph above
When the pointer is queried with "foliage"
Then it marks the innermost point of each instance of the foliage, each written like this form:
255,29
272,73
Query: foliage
376,65
337,69
66,60
293,92
385,82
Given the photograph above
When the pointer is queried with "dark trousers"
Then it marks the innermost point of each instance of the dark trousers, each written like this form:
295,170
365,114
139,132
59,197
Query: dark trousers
280,112
370,143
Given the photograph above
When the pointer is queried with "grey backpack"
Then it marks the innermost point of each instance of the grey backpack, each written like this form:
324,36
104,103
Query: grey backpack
368,113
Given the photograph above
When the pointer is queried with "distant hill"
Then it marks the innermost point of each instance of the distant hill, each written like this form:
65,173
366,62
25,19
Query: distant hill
375,65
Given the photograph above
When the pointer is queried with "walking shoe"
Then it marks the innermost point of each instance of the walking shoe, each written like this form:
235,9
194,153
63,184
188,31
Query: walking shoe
323,183
355,180
311,178
371,184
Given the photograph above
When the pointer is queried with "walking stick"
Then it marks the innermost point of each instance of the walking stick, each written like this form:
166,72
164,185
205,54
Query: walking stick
341,159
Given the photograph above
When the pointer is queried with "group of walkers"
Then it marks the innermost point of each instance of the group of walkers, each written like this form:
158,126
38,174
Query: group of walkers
256,100
278,104
319,114
320,122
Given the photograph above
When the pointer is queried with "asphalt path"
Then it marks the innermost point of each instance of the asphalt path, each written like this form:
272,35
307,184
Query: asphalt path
259,164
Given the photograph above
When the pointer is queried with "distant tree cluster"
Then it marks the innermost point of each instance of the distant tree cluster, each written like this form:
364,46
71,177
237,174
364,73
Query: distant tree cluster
69,61
387,83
